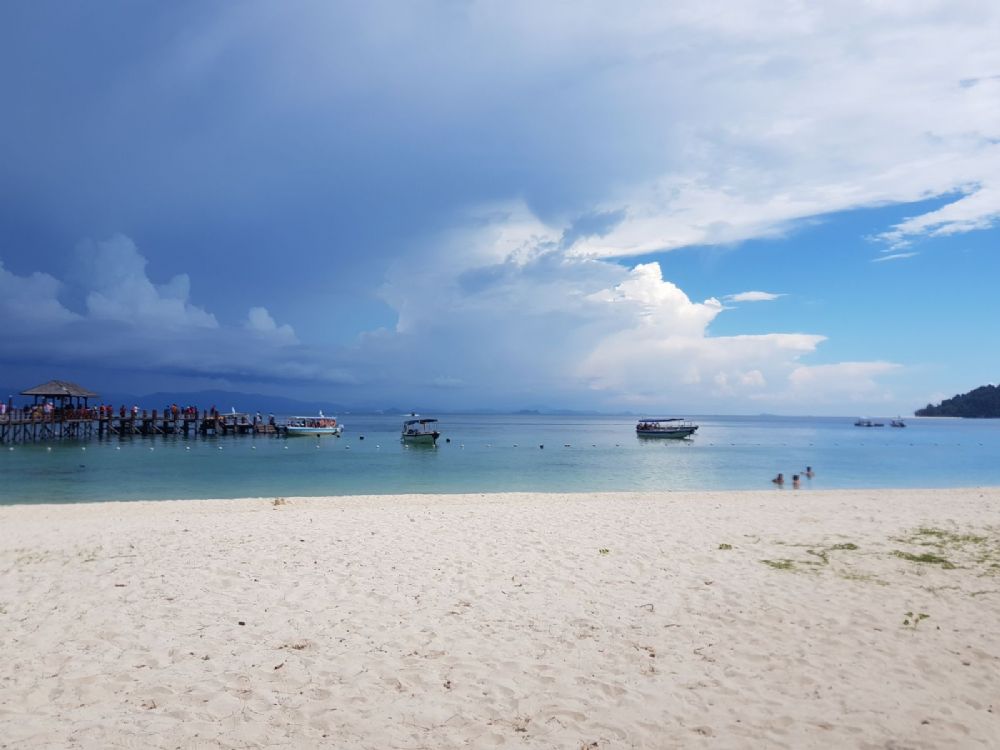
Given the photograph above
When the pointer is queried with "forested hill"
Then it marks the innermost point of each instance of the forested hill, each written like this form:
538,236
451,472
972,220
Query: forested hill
981,402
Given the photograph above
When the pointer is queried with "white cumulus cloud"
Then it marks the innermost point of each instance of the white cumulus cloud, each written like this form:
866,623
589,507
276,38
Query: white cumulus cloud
31,299
516,316
122,291
752,297
260,321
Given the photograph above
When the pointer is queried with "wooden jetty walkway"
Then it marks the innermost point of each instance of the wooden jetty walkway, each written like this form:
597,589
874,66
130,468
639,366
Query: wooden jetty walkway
28,425
62,410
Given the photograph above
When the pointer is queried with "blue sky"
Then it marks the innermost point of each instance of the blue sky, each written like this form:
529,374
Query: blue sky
706,207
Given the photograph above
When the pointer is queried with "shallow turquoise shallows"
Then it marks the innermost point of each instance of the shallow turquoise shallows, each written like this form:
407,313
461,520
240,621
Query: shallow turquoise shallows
503,453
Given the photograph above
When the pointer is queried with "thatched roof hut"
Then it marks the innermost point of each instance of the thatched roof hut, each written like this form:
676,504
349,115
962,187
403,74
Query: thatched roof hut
60,390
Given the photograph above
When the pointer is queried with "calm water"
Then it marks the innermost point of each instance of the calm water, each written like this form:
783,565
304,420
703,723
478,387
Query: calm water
498,453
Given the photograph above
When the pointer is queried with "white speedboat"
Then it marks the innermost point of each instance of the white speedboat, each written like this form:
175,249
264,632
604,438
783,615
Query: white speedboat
665,427
419,432
313,426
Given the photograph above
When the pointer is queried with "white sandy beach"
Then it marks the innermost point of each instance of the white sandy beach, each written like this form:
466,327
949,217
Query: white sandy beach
517,620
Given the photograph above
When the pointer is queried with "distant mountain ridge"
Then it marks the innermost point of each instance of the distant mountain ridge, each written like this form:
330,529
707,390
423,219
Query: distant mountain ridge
979,403
225,401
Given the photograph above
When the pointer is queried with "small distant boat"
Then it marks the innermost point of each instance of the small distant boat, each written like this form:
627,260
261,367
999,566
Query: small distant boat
420,432
868,423
313,426
897,423
665,427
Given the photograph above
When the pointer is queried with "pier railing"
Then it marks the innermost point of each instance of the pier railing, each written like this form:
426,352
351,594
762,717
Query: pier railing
31,424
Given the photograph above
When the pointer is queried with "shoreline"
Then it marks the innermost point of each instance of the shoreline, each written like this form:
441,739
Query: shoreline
710,619
765,492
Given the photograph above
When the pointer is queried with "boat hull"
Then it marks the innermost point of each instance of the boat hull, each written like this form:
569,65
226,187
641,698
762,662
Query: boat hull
425,438
675,434
313,431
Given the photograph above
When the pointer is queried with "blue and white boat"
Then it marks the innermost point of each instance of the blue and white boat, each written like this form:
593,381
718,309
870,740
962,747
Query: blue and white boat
313,426
665,427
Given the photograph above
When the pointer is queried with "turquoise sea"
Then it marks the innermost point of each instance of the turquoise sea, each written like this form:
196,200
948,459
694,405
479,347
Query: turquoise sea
504,453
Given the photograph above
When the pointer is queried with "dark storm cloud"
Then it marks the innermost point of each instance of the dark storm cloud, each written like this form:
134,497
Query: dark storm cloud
275,146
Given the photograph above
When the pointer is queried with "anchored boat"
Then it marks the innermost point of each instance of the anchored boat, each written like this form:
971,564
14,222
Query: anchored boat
313,426
665,427
420,432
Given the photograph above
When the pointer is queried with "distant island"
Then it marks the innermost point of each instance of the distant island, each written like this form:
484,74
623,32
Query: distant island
981,403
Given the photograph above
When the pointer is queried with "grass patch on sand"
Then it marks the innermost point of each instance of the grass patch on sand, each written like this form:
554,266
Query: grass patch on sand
911,620
850,575
819,556
973,550
927,557
783,564
977,549
943,537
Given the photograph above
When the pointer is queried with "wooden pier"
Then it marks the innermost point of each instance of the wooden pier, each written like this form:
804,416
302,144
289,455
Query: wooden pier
61,411
28,426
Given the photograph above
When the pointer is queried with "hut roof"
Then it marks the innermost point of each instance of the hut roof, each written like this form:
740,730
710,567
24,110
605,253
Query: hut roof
59,389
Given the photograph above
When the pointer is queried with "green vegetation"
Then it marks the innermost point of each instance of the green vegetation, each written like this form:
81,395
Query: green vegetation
926,557
783,564
942,537
821,554
983,402
911,620
849,575
975,550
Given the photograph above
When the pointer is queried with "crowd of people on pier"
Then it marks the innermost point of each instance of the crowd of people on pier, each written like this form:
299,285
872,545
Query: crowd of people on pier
48,411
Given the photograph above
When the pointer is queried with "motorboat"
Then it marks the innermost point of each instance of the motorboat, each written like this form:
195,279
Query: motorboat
665,427
897,423
865,422
420,432
313,426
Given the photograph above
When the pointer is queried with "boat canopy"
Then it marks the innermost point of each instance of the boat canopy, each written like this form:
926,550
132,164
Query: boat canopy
418,421
662,419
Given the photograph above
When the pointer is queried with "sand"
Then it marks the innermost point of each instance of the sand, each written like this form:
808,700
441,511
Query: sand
760,619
